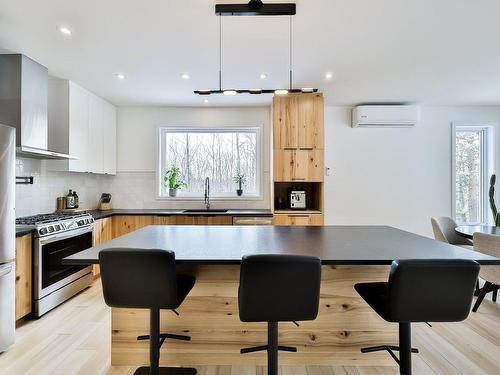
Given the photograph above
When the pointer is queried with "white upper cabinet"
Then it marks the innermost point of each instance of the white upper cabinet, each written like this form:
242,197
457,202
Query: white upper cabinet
109,138
96,137
78,116
84,125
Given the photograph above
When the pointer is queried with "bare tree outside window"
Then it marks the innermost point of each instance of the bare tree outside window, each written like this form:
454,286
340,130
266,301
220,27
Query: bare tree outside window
468,177
219,154
473,165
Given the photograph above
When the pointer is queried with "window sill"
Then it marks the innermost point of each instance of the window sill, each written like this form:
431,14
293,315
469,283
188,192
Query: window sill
212,199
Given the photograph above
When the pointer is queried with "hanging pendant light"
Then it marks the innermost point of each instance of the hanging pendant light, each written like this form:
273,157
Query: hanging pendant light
255,8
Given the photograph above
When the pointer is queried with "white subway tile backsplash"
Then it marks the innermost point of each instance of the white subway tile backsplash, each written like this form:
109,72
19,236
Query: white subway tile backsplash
128,189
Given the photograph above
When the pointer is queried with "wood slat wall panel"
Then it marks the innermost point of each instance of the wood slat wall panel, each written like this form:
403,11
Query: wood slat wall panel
210,315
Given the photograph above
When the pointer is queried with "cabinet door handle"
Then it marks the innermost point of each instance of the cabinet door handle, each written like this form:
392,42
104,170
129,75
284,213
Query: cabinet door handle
298,178
306,148
289,148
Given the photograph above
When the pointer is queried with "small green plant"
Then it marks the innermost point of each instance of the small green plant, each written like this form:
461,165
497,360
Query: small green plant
172,179
240,179
494,211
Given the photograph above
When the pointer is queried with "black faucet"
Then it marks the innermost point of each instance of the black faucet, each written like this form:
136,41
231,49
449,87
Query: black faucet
207,193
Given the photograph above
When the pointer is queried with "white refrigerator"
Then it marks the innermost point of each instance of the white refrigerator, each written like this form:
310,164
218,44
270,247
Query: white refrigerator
7,236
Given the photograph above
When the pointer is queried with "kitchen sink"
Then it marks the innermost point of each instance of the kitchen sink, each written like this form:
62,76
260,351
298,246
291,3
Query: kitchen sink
202,211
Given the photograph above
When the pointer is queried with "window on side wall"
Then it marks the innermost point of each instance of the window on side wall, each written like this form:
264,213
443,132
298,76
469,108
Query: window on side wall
473,164
217,153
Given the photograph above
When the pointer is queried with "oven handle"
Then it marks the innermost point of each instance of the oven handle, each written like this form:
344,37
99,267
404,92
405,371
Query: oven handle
65,235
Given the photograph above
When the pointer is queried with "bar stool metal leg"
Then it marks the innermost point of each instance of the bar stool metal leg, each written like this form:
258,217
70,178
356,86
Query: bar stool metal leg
405,348
272,348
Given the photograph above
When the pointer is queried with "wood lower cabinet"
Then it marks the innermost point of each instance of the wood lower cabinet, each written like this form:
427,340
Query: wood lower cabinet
23,275
298,165
126,224
103,232
204,220
298,219
193,220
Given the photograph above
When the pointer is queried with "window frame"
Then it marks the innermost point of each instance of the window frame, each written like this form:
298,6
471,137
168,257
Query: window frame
487,165
211,129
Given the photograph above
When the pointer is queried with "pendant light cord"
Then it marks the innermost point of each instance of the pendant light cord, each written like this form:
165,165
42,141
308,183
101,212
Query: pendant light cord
220,53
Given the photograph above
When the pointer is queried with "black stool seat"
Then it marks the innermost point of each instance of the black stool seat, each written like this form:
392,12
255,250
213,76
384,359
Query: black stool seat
184,285
278,288
147,279
437,290
376,295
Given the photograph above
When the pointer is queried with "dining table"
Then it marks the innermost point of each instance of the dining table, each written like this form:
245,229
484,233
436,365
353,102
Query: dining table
468,231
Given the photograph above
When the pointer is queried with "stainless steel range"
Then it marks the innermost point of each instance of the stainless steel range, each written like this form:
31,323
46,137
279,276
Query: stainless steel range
56,237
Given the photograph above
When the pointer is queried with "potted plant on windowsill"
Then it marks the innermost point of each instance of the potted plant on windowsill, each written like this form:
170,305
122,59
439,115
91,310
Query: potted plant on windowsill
173,181
240,180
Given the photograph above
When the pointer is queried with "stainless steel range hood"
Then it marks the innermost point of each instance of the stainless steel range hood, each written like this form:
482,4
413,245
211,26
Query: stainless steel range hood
23,105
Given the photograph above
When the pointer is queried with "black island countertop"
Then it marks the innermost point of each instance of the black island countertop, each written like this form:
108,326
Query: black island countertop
334,245
22,230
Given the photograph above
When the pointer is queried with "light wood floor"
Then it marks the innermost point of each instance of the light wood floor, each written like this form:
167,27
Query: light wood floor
75,339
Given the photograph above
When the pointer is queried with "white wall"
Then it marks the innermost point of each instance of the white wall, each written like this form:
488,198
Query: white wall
134,186
399,177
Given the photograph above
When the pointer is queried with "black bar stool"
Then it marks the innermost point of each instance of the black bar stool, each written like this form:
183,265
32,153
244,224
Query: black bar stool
146,279
278,288
437,290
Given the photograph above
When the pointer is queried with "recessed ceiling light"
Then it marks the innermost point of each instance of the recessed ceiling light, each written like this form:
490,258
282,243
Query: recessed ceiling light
120,76
185,76
281,92
205,101
263,76
328,75
230,92
64,30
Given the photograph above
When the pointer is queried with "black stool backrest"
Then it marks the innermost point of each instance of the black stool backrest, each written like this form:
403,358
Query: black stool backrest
139,278
434,290
278,288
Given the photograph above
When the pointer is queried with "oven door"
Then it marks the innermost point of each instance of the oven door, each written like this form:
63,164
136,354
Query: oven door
49,272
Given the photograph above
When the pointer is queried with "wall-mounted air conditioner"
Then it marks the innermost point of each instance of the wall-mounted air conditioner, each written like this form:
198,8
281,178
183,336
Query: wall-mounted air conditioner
384,116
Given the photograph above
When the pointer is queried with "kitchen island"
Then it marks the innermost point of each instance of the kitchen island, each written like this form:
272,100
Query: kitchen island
349,254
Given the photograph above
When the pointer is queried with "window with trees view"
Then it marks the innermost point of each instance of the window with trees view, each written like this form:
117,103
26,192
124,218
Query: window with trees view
218,153
472,169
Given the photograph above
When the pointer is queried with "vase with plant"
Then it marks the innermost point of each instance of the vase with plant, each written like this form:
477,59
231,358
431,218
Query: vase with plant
172,179
494,211
240,179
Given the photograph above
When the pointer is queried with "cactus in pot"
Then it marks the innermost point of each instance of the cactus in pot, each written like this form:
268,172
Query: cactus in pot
494,211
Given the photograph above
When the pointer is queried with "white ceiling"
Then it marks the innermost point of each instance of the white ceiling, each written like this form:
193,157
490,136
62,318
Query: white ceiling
426,51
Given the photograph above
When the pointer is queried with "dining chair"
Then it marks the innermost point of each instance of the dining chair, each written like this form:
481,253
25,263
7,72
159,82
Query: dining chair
444,231
488,244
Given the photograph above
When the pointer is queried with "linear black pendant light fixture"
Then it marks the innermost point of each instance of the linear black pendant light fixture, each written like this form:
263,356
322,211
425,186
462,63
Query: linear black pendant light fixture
255,8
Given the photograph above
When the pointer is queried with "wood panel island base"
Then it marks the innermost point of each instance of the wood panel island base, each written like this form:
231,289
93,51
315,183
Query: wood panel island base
349,254
210,316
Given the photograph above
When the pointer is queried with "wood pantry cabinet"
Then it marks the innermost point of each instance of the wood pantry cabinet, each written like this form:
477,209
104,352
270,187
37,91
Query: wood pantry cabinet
298,156
23,275
298,165
298,122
